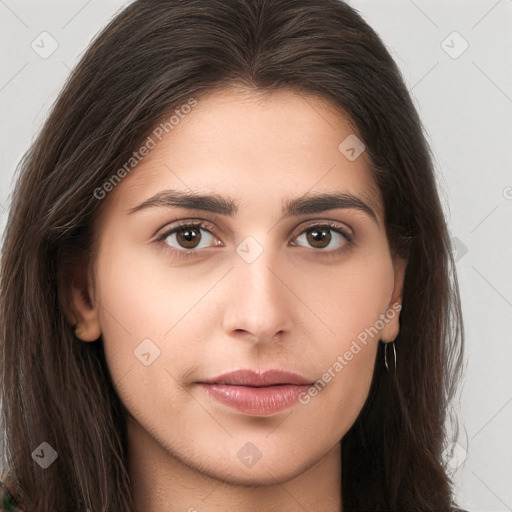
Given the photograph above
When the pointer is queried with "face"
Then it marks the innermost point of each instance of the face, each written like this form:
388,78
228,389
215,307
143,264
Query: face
261,276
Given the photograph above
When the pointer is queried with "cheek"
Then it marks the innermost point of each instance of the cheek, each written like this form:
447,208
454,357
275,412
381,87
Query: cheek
350,299
148,308
351,306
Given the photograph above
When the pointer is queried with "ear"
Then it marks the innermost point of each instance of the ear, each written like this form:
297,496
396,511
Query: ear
83,312
391,321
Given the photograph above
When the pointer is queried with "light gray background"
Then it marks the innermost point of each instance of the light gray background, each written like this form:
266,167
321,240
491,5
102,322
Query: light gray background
466,105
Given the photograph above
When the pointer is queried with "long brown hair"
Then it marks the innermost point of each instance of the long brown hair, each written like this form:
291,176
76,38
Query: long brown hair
151,59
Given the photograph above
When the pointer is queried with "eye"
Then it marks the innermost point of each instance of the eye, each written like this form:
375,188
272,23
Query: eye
324,237
188,236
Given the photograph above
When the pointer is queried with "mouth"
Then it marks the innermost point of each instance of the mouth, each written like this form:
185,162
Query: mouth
254,392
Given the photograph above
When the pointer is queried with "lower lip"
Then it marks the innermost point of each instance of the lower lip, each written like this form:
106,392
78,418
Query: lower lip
257,401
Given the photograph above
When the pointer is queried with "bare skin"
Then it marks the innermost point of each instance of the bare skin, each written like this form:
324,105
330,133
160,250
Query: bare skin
297,306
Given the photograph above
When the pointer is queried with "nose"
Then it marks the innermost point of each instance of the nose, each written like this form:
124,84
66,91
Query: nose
259,302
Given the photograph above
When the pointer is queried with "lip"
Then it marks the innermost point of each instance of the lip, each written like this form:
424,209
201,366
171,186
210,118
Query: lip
257,392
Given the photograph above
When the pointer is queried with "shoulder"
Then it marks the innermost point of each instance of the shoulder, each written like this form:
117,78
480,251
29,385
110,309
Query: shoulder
7,503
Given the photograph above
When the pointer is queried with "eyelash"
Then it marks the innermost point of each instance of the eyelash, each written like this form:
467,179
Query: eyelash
208,227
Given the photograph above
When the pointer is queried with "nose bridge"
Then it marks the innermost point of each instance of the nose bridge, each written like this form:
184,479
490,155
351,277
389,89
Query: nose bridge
259,304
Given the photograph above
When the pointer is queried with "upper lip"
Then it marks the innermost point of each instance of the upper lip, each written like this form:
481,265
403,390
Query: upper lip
259,378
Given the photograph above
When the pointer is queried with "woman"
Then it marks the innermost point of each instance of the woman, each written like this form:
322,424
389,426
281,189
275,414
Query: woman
226,277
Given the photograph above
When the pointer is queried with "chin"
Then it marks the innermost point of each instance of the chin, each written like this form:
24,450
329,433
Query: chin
265,474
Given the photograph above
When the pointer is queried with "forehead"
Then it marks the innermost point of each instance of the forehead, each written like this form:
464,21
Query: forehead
250,145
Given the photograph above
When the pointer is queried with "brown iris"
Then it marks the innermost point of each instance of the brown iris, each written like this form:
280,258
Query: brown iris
319,237
188,237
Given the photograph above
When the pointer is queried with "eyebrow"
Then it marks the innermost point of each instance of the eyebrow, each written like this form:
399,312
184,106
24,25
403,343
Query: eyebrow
215,203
